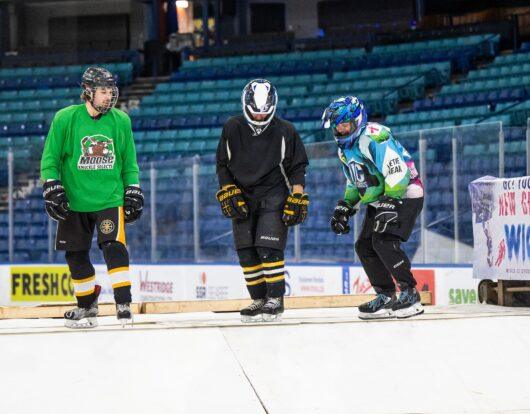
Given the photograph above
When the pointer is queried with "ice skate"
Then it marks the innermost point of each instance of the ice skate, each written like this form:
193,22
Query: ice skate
253,312
124,314
378,308
81,318
408,304
273,310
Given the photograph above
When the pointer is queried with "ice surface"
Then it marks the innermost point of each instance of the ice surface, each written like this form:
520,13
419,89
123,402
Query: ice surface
459,359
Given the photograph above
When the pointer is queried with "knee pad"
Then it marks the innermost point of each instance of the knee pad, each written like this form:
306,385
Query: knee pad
115,254
79,264
248,257
269,255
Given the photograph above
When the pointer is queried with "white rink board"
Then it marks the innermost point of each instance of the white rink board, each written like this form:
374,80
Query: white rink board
450,285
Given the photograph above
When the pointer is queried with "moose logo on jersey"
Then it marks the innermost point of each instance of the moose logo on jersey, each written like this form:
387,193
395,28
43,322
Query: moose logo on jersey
97,153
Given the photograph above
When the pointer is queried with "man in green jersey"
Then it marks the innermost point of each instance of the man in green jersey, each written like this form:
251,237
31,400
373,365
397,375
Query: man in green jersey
90,177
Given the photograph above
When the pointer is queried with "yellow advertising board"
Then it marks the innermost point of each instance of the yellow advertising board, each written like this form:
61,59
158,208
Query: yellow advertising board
41,284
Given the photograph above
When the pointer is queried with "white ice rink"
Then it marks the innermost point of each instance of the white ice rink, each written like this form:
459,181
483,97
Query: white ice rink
462,359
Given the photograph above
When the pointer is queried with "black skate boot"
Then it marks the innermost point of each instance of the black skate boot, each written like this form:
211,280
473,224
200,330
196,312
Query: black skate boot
378,308
124,314
408,304
273,310
253,312
80,318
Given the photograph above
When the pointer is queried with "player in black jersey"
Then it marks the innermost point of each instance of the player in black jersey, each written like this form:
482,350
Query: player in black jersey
261,165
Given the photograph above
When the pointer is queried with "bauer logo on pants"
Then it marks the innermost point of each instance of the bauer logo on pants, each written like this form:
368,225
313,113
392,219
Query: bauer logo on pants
97,153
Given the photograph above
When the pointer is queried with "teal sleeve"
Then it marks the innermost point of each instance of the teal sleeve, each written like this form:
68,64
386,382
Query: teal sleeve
351,194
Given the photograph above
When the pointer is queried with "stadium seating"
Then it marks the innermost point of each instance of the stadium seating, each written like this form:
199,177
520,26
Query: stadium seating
506,79
183,118
460,51
56,76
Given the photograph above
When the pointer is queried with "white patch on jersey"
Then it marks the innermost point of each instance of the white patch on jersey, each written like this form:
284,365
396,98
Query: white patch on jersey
373,128
364,142
394,168
414,191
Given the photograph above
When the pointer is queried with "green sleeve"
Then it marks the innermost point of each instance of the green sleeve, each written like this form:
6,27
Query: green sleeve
50,166
130,171
351,195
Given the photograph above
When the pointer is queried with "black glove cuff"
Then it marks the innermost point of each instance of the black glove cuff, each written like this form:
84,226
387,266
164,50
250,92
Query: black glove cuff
344,207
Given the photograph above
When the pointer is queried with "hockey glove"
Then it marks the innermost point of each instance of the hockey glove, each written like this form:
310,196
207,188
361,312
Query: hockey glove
133,203
341,215
55,200
387,213
295,209
232,203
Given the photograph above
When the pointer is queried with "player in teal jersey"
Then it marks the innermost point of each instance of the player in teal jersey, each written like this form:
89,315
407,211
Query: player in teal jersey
380,173
90,177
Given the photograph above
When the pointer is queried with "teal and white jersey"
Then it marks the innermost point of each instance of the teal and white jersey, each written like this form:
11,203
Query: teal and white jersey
376,165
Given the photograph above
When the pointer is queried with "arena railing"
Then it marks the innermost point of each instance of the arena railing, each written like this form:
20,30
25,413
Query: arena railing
182,221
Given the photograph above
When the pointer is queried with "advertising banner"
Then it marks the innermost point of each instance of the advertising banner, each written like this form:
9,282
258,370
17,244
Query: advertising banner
356,281
501,228
34,284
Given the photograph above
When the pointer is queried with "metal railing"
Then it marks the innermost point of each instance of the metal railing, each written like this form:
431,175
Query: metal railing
182,221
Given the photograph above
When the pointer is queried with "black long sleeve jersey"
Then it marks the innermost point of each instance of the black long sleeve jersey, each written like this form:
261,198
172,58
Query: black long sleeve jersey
261,165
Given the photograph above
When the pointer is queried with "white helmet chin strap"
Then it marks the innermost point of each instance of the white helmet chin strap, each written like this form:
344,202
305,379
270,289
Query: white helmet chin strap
257,130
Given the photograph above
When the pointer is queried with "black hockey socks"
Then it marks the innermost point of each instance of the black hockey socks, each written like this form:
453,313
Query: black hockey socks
253,272
117,260
273,270
83,277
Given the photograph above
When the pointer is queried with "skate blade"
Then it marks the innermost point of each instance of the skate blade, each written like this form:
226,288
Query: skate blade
84,323
251,319
272,318
416,309
126,323
380,314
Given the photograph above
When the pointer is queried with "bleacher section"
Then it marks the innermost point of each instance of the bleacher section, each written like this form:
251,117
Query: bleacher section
184,117
497,92
460,51
204,93
56,76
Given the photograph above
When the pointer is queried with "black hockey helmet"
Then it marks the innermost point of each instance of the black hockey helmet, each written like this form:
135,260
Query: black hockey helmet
259,97
97,77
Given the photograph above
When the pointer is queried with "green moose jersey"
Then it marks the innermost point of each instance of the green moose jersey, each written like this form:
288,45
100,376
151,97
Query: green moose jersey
94,158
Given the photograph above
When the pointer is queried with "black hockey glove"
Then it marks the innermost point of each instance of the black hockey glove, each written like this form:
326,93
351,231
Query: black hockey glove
232,202
341,215
295,209
133,203
387,213
55,200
